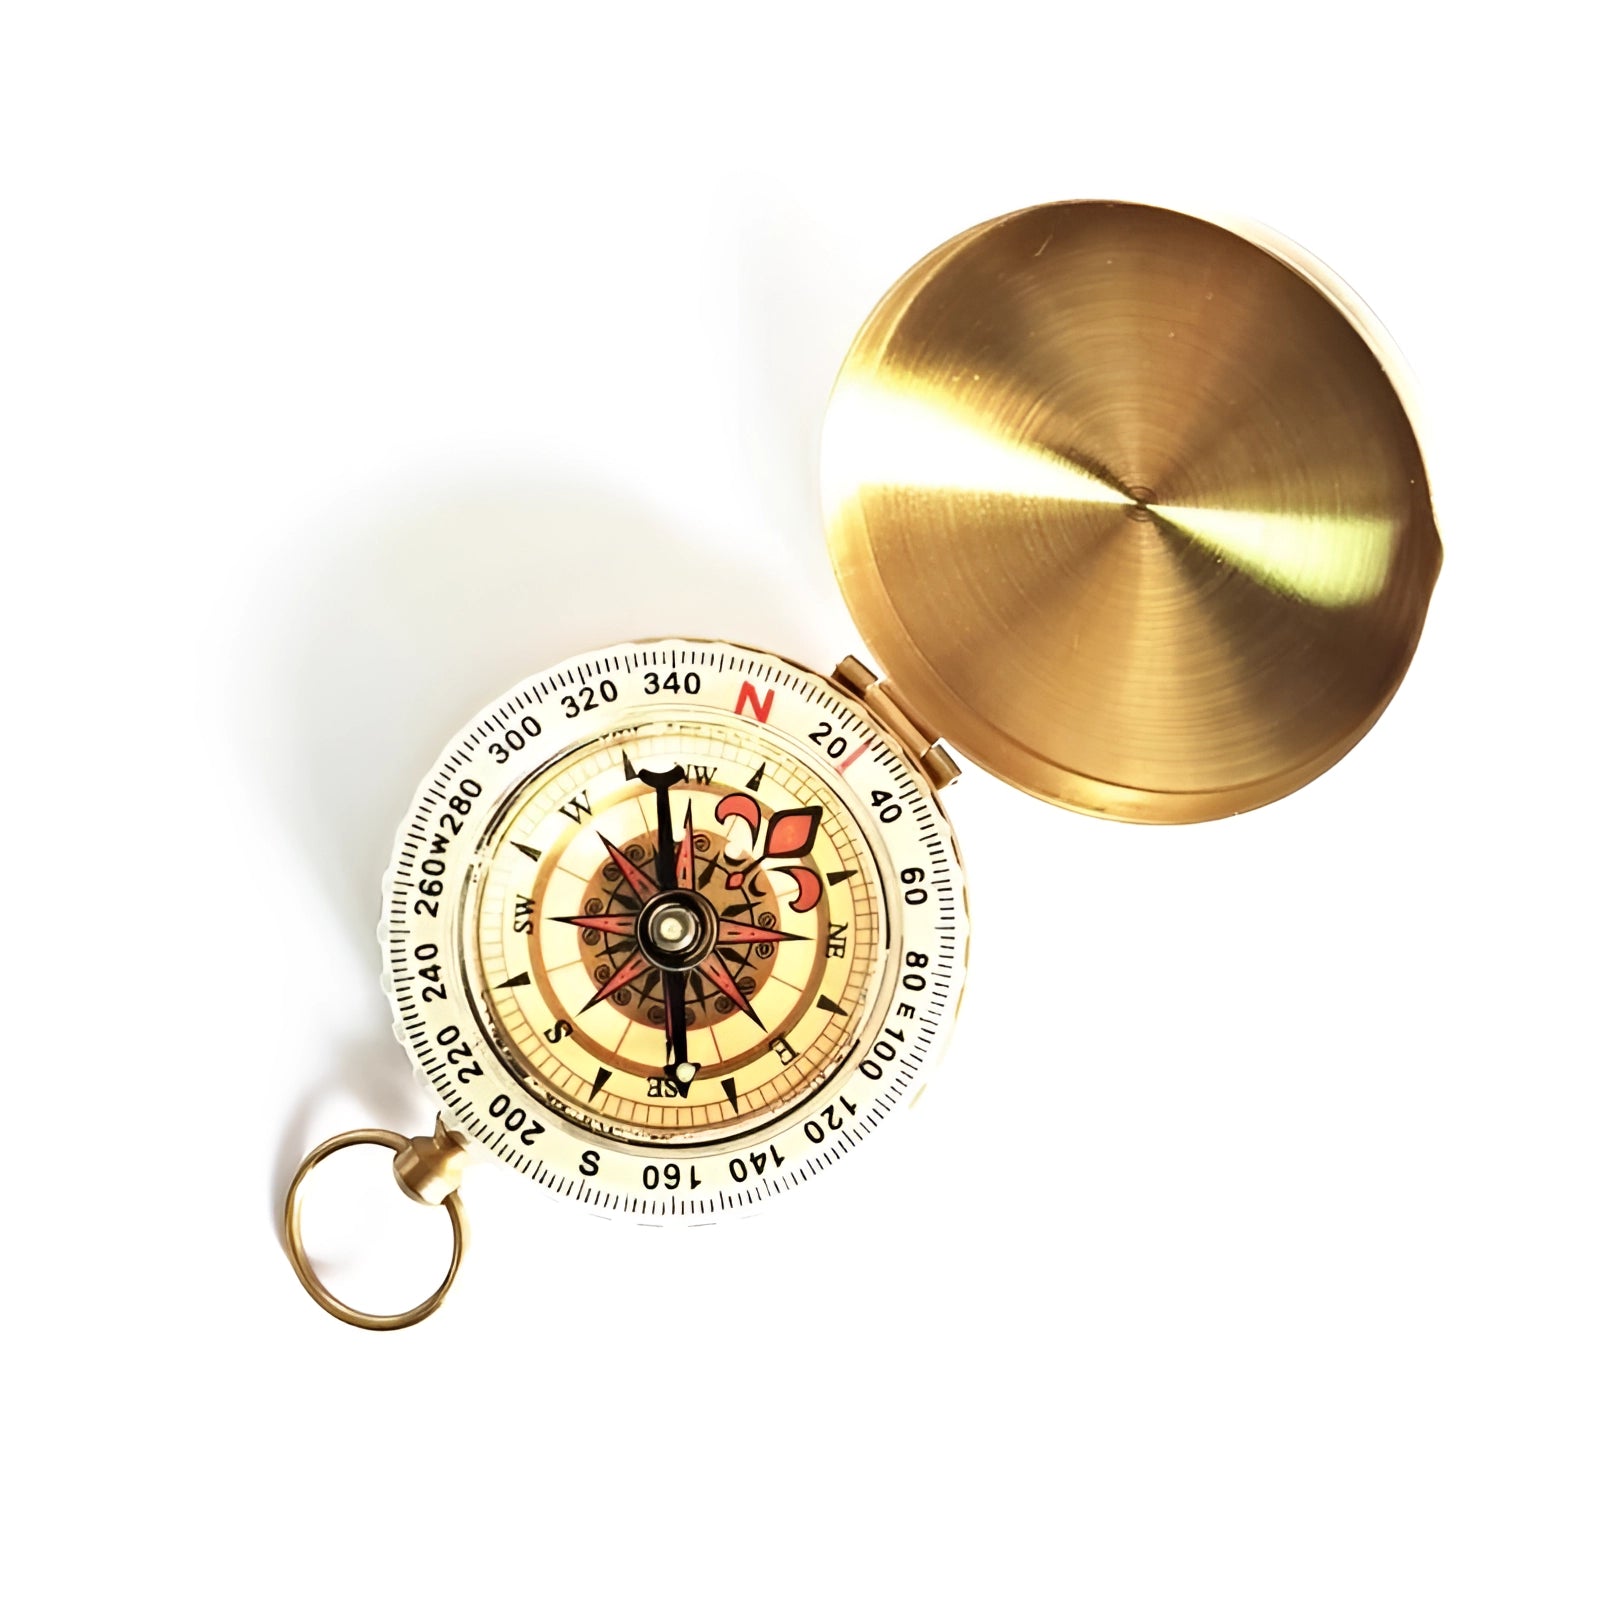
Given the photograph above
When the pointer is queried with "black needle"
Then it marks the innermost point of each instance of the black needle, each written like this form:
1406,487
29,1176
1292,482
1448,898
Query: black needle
666,879
666,849
678,1062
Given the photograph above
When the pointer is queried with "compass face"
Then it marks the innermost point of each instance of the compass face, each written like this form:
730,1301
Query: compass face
672,926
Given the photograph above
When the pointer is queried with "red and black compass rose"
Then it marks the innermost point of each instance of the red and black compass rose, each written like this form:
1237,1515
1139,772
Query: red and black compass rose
704,945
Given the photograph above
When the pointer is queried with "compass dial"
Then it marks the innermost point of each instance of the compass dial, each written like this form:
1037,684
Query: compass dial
675,978
672,926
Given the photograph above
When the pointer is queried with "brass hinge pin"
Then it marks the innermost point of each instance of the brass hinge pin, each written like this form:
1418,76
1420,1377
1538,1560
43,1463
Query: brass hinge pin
881,698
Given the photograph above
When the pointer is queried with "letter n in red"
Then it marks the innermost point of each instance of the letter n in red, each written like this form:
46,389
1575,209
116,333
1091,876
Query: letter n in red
750,704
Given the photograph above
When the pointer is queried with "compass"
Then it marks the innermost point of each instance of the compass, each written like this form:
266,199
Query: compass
693,958
1129,508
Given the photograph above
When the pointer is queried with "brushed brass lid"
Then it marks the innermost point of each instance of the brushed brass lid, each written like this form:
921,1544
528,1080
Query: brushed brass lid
1129,509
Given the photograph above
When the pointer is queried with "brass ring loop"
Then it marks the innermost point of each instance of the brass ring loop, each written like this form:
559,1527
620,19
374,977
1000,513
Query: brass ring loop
302,1265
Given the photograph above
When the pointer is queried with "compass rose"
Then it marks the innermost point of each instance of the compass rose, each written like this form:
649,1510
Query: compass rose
667,930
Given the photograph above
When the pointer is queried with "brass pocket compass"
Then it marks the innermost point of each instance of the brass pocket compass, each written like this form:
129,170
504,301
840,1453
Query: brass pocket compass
1127,506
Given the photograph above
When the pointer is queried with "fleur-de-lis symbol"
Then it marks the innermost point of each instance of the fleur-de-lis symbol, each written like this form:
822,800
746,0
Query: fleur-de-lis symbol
790,835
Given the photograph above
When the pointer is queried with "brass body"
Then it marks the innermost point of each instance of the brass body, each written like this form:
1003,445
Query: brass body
1129,508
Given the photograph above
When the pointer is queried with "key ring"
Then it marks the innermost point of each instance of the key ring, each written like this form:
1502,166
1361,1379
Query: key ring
429,1171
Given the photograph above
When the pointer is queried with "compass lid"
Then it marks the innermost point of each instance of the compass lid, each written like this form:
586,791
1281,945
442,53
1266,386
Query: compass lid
1129,508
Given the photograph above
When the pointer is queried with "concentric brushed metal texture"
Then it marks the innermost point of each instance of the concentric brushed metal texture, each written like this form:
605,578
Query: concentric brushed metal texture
1129,509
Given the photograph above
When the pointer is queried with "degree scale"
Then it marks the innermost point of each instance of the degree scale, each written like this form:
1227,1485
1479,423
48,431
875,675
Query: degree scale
1130,510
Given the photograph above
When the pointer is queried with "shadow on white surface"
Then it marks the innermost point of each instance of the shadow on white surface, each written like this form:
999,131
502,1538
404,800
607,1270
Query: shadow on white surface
799,305
392,636
369,1073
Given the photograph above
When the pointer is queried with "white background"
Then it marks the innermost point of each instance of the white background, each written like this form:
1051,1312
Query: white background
358,360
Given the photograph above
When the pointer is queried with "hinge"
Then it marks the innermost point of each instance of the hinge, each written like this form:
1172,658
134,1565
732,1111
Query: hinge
920,742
